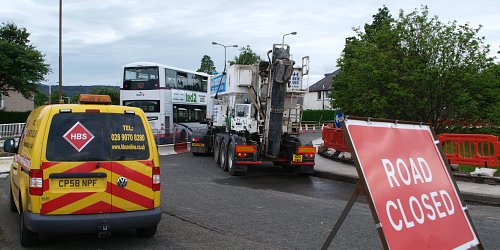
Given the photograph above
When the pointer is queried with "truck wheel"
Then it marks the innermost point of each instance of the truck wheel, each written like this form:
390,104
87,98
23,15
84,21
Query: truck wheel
182,137
230,160
223,156
217,152
278,163
12,204
287,167
28,238
147,232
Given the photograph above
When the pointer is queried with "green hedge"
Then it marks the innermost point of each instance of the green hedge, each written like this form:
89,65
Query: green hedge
13,117
493,130
317,115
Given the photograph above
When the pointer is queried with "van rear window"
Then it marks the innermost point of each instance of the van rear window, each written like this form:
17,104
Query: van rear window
96,137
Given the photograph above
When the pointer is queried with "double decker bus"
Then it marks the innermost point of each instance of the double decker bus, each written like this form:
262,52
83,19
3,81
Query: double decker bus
175,100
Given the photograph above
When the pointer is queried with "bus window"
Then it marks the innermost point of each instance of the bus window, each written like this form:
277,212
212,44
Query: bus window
181,80
190,85
180,114
170,78
204,83
148,106
197,83
189,113
141,78
198,114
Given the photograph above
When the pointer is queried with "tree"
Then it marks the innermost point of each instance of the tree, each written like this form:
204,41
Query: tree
22,67
54,97
113,93
207,65
246,56
414,68
40,99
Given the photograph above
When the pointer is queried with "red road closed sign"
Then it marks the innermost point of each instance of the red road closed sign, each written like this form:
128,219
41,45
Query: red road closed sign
409,187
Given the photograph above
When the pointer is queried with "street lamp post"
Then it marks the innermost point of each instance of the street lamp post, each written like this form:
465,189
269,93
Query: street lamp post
225,47
291,33
60,51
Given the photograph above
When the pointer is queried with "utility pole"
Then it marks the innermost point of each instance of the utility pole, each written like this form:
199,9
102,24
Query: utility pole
60,52
225,47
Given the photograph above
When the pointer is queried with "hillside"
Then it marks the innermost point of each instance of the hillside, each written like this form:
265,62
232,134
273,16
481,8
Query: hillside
72,90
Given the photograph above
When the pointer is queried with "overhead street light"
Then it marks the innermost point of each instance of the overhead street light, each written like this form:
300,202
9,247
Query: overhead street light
225,47
291,33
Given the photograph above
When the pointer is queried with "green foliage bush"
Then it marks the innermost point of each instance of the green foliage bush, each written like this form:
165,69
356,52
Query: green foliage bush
493,130
13,117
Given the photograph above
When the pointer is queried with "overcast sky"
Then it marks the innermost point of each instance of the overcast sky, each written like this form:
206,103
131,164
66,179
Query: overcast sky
100,36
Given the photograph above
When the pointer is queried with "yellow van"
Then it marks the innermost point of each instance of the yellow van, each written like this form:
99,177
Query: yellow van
83,168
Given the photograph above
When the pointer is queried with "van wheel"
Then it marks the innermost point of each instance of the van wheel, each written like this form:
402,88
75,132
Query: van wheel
147,232
12,204
28,238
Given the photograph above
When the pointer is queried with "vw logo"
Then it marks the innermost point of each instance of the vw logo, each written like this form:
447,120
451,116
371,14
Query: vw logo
122,182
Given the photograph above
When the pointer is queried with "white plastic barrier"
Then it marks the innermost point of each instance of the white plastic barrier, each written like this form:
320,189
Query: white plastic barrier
12,130
172,149
5,163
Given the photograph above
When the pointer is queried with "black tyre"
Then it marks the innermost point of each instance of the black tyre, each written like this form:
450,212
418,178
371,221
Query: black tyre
287,167
28,238
223,156
230,160
12,204
217,152
183,137
147,232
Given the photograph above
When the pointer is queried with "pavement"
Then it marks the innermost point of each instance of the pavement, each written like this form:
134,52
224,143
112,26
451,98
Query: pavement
470,191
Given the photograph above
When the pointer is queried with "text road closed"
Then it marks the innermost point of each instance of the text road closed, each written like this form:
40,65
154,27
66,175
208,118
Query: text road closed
414,197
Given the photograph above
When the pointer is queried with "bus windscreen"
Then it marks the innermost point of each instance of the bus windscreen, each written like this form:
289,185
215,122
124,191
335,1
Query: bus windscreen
141,78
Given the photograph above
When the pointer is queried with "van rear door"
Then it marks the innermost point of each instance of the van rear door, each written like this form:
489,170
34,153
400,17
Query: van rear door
132,164
77,165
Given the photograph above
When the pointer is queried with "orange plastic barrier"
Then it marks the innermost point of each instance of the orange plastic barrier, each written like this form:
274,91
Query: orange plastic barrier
334,138
471,149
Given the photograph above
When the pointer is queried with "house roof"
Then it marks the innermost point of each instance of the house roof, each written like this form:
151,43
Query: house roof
324,84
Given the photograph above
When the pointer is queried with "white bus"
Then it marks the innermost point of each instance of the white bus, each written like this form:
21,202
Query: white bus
174,100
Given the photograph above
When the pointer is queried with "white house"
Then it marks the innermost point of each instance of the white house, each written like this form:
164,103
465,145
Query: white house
319,93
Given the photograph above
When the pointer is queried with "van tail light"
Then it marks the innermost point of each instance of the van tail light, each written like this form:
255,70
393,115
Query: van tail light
156,179
36,182
196,139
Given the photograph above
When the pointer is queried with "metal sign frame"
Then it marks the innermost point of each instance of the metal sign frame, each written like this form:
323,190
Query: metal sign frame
362,186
